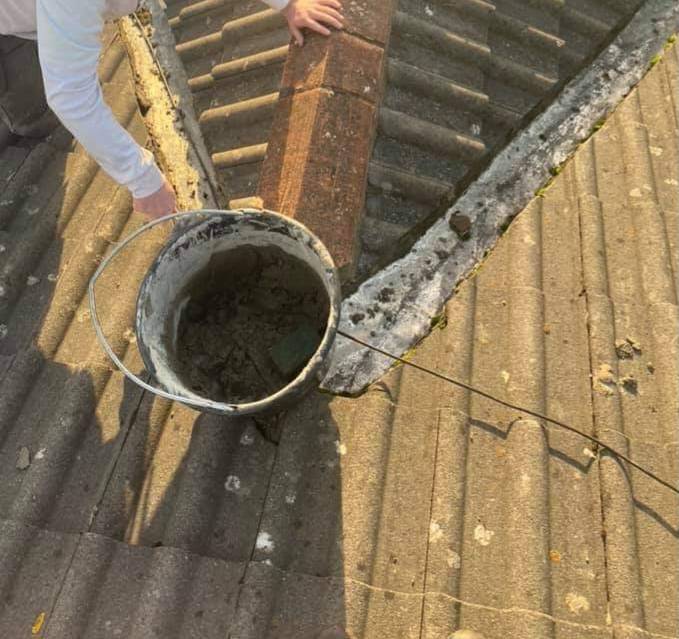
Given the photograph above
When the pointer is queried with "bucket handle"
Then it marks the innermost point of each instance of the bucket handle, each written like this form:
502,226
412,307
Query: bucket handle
101,337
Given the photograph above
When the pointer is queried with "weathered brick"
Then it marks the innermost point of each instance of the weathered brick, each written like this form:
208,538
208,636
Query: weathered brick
324,125
316,165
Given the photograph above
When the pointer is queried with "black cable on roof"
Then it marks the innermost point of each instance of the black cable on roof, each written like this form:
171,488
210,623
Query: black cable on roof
516,407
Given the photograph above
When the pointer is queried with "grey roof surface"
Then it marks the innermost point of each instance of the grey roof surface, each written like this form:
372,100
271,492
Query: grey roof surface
412,511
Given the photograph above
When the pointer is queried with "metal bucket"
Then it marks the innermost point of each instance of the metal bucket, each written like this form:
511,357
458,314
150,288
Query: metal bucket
159,306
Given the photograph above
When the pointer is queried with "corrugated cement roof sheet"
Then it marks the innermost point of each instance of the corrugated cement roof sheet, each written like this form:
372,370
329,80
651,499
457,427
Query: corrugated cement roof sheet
412,511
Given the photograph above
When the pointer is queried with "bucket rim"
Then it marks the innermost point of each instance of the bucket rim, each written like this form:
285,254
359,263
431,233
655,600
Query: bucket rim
316,365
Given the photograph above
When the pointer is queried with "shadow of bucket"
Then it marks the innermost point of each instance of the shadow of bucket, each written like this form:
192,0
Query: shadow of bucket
199,237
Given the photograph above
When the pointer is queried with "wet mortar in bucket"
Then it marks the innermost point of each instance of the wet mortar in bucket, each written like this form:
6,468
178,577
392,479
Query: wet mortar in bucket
249,323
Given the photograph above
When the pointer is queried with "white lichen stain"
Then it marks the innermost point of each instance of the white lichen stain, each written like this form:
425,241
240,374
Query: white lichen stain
668,181
264,542
428,10
656,150
635,193
3,331
232,484
505,376
52,277
247,438
290,499
453,560
41,453
576,603
588,453
293,475
435,532
482,336
340,448
483,535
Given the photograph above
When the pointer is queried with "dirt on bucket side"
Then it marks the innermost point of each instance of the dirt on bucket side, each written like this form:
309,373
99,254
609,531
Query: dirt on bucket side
253,319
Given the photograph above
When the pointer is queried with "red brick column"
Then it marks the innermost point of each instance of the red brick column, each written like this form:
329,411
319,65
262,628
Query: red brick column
321,140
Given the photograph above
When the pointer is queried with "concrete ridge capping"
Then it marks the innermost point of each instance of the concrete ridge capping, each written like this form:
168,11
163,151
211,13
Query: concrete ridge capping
395,308
316,163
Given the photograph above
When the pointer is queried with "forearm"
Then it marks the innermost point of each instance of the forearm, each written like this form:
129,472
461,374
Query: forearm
69,45
84,112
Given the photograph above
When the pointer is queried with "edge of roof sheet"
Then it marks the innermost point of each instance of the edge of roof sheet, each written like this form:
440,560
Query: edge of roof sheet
396,308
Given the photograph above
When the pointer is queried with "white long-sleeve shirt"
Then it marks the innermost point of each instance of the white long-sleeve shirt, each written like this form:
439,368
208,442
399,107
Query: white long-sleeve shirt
69,44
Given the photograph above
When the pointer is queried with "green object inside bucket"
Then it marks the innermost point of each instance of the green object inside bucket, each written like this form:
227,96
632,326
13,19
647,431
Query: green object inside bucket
292,352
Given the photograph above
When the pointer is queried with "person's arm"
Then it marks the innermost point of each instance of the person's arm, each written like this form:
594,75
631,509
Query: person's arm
316,15
69,44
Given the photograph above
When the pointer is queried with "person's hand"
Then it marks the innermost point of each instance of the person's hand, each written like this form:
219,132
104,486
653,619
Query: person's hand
314,15
162,202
